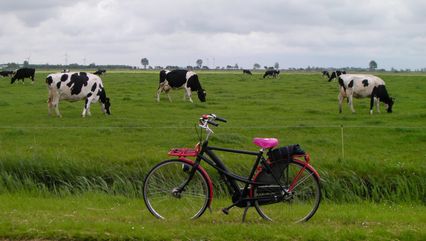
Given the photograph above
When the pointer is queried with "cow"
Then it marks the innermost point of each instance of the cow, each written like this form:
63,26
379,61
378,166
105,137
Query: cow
335,74
65,71
272,72
180,78
74,87
100,72
6,73
246,71
23,73
325,73
361,86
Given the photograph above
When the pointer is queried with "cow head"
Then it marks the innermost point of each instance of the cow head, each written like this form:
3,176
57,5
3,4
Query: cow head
106,106
390,104
13,80
202,95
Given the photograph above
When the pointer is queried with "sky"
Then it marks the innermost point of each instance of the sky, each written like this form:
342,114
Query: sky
294,33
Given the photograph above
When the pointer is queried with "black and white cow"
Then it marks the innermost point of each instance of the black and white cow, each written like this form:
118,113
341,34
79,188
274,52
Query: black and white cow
335,74
100,72
361,86
272,72
180,78
6,73
23,73
246,71
74,87
325,73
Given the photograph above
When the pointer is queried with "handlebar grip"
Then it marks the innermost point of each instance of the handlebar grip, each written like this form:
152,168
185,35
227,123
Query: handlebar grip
212,123
220,119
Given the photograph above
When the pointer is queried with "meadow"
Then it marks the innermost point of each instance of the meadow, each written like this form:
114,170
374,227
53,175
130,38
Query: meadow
375,159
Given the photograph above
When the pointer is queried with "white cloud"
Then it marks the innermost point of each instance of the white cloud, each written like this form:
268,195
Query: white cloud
295,33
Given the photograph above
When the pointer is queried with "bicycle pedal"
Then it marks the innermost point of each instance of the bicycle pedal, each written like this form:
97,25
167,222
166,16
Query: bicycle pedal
225,211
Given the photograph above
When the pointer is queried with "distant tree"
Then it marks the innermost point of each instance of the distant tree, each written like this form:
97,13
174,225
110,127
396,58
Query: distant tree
256,66
373,65
26,63
236,66
199,63
144,62
12,65
277,65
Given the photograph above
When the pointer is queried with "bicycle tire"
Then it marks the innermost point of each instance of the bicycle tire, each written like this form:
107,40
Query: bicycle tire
167,175
297,207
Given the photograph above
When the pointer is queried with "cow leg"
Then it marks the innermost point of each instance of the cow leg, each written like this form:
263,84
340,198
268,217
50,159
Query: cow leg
372,100
377,104
55,103
340,97
168,95
49,105
86,109
160,89
188,93
351,104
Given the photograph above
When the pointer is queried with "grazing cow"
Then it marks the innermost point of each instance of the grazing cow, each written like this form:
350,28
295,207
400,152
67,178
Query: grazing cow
65,71
76,86
100,72
180,78
335,74
6,73
325,73
23,73
246,71
272,72
361,86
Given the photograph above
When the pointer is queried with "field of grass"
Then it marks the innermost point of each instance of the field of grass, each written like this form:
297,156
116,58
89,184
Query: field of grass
383,159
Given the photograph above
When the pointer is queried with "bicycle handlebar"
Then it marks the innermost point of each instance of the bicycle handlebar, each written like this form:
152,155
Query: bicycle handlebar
221,119
210,119
212,123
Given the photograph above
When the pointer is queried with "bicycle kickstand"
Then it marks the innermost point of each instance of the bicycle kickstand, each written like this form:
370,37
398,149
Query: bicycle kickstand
245,211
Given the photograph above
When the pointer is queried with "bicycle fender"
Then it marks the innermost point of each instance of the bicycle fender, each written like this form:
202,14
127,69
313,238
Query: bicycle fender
205,174
308,166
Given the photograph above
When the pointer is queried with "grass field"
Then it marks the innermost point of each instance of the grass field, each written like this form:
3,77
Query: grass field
383,159
103,217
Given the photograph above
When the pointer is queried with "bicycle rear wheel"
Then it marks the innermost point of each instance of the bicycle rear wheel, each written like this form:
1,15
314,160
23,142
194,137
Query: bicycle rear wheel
159,191
297,206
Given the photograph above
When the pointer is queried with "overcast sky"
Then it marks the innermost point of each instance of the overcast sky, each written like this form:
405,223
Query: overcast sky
294,33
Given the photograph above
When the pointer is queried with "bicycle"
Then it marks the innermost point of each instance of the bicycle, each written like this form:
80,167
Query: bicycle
282,186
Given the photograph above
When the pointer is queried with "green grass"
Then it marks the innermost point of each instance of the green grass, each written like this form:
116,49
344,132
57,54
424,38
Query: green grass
80,178
383,153
100,217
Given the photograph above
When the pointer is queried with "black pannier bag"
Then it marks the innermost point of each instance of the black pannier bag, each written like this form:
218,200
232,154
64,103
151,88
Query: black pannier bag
279,159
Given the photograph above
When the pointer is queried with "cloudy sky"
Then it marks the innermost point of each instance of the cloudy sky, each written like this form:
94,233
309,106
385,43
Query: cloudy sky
294,33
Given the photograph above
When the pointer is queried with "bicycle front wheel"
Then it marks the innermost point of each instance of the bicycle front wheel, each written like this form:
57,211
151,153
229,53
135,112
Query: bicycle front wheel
161,198
299,205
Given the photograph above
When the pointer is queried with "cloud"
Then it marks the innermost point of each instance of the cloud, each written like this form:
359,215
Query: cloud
294,33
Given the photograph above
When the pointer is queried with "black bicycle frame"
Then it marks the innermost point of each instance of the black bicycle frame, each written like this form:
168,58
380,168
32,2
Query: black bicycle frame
229,177
239,195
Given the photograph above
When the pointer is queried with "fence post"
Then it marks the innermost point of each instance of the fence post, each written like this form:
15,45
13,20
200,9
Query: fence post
343,144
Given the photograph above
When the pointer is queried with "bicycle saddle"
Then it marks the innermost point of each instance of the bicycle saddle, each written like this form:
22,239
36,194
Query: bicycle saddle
265,142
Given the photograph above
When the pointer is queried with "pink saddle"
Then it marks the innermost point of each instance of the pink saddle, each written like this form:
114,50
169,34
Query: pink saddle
265,142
